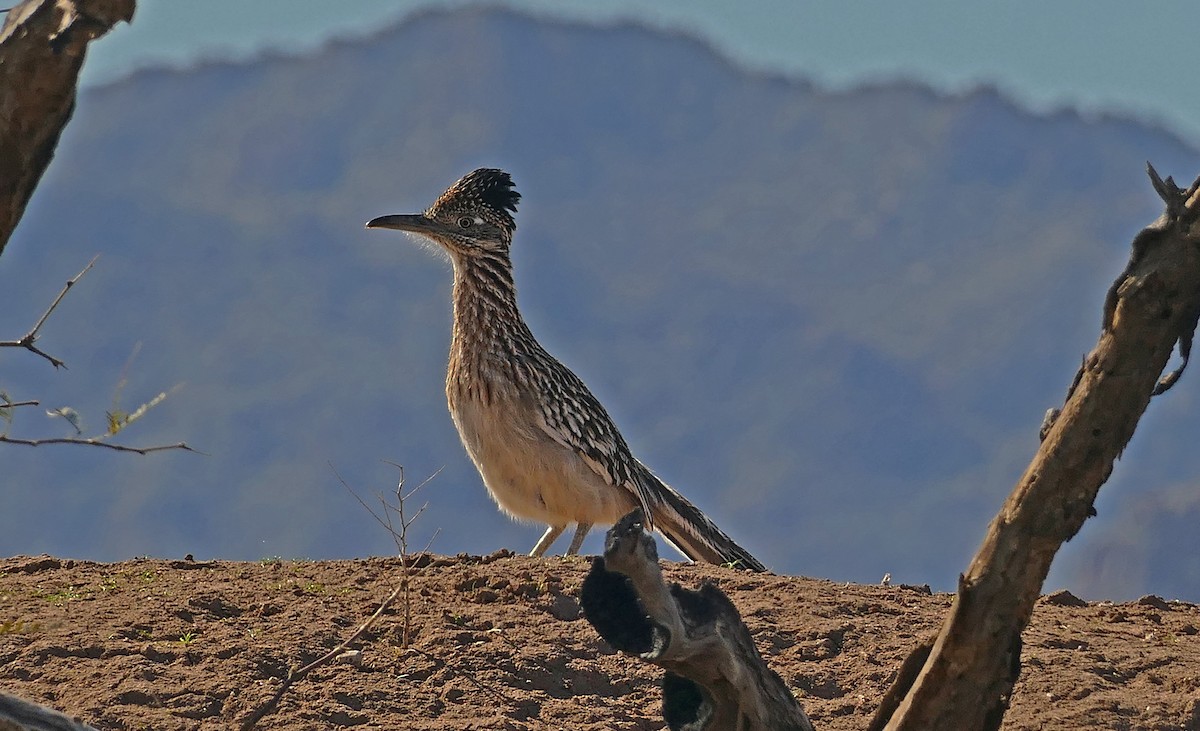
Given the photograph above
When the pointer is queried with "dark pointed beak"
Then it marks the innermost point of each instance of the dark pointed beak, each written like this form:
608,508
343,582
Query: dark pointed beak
415,223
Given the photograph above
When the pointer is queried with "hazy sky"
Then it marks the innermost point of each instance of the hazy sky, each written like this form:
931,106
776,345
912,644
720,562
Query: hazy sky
1095,55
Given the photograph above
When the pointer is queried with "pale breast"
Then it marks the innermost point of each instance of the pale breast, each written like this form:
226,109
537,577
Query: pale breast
528,474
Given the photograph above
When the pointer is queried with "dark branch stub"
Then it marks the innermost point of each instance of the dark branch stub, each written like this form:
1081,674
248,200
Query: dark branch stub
716,679
611,605
1172,195
1178,217
685,705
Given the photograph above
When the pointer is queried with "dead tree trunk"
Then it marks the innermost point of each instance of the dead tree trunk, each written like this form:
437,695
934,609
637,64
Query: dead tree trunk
962,681
968,677
715,677
42,45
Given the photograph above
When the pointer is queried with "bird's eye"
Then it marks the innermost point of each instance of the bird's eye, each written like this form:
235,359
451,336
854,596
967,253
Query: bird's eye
465,222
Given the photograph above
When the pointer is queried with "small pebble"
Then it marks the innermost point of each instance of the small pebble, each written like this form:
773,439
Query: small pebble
350,657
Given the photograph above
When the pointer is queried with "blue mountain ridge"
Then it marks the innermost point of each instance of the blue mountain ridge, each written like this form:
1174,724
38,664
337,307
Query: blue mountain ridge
834,320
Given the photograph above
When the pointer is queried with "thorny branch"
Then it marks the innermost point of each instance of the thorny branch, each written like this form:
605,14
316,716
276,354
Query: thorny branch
28,339
117,420
116,424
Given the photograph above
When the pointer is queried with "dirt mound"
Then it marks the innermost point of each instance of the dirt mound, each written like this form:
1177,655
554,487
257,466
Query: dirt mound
498,643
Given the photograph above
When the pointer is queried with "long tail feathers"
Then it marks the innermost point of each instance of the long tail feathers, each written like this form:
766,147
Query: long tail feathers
690,530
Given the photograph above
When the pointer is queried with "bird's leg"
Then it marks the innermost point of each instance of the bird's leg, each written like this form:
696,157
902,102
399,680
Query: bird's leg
581,531
550,536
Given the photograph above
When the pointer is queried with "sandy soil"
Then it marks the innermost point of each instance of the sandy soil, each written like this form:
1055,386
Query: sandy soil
498,643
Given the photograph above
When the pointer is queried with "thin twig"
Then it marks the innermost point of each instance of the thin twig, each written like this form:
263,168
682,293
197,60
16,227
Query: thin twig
424,482
10,404
94,442
27,341
478,684
399,536
361,502
385,520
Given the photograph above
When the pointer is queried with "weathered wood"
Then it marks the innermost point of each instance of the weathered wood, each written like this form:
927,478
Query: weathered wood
715,678
21,715
968,677
42,46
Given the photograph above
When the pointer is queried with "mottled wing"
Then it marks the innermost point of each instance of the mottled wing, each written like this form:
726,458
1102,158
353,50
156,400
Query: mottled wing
686,527
574,418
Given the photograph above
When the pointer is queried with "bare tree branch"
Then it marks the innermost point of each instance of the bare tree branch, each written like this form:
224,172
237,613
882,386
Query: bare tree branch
28,339
1154,304
42,47
96,442
11,404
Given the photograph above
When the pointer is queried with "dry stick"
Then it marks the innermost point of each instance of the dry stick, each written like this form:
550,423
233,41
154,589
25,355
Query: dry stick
968,678
11,404
298,674
385,521
402,541
462,674
401,537
27,340
96,442
406,561
402,544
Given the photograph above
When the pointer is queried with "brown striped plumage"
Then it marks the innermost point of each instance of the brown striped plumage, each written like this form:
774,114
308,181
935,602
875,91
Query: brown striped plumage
545,447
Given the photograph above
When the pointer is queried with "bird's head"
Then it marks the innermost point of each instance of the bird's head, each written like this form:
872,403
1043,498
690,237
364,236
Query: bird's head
472,217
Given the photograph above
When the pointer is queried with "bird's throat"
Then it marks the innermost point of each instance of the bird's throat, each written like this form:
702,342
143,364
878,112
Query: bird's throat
489,335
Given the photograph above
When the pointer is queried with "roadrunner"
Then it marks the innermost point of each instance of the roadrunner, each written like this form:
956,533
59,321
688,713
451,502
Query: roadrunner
545,447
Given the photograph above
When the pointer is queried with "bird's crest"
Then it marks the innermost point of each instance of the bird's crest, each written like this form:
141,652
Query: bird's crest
486,192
